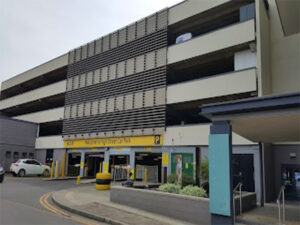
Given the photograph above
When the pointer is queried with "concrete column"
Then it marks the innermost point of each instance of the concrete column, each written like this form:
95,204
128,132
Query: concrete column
220,173
82,159
67,163
132,159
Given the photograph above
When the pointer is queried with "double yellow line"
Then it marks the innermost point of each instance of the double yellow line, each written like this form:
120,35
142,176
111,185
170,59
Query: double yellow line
45,203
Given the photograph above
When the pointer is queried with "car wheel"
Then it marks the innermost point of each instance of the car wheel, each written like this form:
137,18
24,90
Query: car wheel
1,178
46,173
22,173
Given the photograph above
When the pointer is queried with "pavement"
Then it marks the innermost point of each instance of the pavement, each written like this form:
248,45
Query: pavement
95,204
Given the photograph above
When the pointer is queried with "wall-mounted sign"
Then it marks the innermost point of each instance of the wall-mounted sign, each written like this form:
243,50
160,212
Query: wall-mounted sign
156,140
165,159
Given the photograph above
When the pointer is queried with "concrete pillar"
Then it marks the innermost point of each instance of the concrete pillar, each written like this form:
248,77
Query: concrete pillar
132,162
82,159
105,166
67,163
220,173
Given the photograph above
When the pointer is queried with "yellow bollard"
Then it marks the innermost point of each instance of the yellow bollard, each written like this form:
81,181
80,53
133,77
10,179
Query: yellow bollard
52,170
145,176
78,179
56,170
63,166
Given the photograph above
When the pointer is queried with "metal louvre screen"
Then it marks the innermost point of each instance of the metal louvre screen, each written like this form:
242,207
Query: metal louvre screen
118,83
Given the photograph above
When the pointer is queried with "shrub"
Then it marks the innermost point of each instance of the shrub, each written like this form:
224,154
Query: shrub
170,188
187,180
193,191
204,170
171,179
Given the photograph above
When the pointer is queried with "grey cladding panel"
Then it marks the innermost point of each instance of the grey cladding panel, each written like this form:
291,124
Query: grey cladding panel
114,40
78,54
98,46
91,49
106,44
131,32
151,24
71,56
122,36
84,52
141,28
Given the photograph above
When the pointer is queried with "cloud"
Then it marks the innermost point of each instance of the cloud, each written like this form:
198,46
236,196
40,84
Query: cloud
35,31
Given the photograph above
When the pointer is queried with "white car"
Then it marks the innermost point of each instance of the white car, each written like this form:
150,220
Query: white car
25,167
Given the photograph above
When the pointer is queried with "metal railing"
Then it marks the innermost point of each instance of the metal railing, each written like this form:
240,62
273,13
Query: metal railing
281,221
238,186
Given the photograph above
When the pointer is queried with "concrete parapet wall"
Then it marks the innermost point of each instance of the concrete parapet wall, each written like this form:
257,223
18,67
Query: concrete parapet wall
190,209
186,208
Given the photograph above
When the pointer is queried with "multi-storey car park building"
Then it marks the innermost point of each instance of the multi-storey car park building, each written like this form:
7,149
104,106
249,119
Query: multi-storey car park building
133,97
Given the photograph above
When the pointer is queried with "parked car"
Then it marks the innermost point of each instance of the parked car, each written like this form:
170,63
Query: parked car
2,172
25,167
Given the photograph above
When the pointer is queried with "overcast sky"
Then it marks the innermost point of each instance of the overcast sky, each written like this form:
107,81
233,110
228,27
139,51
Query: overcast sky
35,31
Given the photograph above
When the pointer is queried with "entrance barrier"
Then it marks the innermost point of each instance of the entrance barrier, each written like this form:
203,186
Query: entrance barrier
151,176
103,181
119,173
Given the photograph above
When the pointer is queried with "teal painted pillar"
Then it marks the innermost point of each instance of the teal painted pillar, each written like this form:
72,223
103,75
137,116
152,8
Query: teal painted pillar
220,173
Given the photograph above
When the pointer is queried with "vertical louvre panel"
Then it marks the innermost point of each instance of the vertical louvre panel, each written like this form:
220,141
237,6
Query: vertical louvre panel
112,72
84,52
138,100
82,81
160,96
98,46
80,110
97,76
130,66
150,60
141,29
140,64
114,40
91,49
71,57
104,74
121,69
106,43
151,24
131,31
162,19
69,84
119,103
89,79
76,82
102,106
111,105
74,111
149,98
122,36
95,106
67,112
128,101
87,109
161,57
78,54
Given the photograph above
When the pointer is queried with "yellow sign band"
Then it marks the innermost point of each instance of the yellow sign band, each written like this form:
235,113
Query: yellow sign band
116,142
